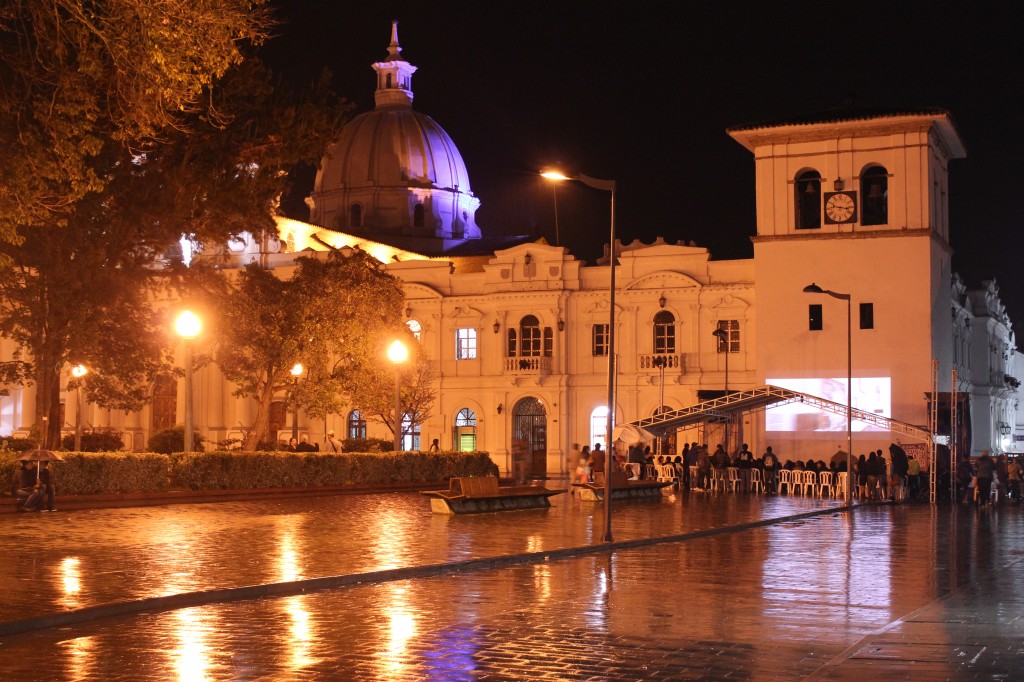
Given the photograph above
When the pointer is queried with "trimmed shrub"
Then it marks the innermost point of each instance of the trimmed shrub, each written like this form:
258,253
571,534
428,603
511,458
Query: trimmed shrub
104,472
173,440
18,445
367,445
232,470
96,441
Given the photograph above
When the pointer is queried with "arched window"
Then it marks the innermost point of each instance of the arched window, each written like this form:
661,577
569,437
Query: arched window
355,425
355,215
530,337
465,430
417,216
599,426
664,332
808,200
410,433
874,192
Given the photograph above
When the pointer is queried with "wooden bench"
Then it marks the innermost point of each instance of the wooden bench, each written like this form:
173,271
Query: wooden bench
622,488
474,494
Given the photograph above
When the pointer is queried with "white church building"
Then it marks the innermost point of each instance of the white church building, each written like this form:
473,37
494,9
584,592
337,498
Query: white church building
855,202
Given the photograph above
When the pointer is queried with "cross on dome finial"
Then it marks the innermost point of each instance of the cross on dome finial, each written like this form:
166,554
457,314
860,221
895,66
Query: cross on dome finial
394,49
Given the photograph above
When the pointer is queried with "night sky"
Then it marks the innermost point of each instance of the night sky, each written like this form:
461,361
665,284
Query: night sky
642,93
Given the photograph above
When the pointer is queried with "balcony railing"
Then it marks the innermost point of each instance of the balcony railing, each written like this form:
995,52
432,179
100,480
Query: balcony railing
653,362
532,366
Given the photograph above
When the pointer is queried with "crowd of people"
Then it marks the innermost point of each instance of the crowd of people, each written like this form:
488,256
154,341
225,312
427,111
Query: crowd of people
989,480
897,478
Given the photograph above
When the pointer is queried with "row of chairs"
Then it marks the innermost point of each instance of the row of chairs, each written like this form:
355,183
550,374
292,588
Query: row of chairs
808,483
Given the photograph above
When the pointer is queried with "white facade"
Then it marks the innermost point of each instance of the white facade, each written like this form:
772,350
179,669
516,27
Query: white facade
517,335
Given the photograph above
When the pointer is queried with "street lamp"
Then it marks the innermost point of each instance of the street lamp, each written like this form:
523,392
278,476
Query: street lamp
607,186
296,373
188,326
398,353
815,289
78,371
723,343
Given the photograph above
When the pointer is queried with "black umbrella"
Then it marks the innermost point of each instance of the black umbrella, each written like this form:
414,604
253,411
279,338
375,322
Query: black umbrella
38,456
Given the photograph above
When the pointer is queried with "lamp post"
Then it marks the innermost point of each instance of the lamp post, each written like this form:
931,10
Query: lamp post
398,353
607,186
188,326
78,371
813,288
296,371
723,343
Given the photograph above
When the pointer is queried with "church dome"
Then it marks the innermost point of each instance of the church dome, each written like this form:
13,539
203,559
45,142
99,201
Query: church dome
393,147
395,175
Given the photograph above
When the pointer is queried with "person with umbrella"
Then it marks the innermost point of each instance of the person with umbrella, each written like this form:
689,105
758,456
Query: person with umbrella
41,488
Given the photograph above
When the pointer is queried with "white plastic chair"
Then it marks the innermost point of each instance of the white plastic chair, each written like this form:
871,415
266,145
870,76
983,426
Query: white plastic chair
826,487
756,481
785,479
734,481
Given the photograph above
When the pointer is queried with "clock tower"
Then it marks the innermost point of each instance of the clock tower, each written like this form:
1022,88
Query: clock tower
856,202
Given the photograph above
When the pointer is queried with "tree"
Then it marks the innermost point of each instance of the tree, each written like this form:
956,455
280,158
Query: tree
331,316
372,389
93,287
78,74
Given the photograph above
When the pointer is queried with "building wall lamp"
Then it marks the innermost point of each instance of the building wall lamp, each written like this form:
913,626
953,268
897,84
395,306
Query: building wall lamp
662,301
497,326
499,408
561,325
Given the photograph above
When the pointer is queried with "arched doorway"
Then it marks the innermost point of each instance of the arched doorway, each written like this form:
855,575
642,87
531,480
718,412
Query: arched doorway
530,422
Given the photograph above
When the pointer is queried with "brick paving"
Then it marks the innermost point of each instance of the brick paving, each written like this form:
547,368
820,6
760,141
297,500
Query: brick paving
909,592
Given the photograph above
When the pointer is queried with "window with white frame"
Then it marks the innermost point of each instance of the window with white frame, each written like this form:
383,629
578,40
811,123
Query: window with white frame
730,341
465,343
599,345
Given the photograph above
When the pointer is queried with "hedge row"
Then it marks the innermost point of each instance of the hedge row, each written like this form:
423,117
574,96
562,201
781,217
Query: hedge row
120,472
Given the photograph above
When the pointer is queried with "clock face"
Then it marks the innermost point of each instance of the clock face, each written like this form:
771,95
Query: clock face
840,207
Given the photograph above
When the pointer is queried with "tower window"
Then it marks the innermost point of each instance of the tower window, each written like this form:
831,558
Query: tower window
465,343
874,190
814,320
417,216
808,200
867,315
355,215
730,343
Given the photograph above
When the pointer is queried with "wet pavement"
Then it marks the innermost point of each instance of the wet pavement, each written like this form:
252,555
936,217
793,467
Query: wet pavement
909,592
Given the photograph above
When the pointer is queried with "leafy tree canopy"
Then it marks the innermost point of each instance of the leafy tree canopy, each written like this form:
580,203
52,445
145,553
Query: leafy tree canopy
333,316
77,74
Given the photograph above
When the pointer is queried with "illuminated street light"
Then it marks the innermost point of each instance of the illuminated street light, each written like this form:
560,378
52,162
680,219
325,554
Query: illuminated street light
815,289
607,186
78,371
188,327
398,353
296,371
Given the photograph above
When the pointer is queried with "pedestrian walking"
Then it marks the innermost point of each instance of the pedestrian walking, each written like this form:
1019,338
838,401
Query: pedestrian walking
333,445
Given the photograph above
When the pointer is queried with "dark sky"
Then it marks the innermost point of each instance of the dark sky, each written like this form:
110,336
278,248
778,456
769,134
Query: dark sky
642,93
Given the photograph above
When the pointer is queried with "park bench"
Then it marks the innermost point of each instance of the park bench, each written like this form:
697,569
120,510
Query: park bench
622,487
474,494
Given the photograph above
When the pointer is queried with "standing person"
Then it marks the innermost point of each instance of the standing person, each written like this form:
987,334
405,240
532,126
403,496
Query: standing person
46,485
292,444
898,471
1013,476
435,446
770,465
913,472
583,468
304,445
704,466
332,445
986,469
596,462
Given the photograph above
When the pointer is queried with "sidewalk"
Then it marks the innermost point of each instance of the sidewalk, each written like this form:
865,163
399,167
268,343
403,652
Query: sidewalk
910,592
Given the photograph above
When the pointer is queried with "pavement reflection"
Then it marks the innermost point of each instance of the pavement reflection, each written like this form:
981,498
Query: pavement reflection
882,591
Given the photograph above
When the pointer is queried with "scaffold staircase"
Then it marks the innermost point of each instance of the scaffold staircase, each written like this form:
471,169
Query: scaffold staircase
719,409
